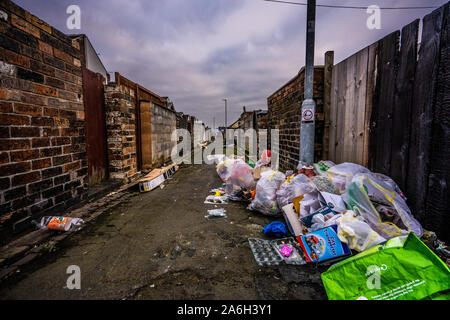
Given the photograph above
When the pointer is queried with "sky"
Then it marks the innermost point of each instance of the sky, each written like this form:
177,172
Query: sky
198,52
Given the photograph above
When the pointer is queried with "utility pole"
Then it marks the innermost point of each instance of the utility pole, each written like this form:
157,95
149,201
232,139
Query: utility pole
307,124
225,112
214,122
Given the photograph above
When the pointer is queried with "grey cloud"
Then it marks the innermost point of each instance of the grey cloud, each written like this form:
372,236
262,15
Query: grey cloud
200,51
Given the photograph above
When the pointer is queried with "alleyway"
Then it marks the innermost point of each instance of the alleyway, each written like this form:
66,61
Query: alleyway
158,245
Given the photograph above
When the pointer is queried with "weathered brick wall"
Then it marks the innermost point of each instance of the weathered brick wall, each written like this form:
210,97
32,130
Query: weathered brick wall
262,119
285,115
163,123
121,131
43,163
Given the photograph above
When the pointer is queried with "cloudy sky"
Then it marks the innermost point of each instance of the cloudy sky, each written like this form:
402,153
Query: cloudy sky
198,52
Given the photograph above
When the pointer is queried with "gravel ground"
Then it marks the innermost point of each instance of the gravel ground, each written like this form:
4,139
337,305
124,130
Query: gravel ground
159,245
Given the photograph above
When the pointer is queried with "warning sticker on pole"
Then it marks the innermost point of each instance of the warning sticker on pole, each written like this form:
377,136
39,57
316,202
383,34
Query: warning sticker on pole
308,115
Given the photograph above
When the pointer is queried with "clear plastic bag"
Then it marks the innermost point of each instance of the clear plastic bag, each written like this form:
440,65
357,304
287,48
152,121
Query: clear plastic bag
366,193
223,169
241,175
390,182
294,187
323,166
236,172
324,184
265,196
341,174
356,233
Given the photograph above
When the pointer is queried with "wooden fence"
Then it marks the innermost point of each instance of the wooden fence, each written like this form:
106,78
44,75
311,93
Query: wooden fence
390,111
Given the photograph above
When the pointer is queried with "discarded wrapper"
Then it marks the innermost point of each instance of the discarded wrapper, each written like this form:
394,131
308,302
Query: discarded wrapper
216,199
60,223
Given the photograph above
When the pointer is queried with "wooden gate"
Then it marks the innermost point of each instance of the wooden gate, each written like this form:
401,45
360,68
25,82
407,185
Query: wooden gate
95,124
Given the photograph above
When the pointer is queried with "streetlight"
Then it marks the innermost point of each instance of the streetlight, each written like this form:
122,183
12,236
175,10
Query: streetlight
225,112
307,125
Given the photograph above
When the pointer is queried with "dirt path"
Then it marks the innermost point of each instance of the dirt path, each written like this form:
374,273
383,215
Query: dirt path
158,245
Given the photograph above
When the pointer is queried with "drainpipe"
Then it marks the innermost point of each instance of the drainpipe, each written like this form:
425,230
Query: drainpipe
307,124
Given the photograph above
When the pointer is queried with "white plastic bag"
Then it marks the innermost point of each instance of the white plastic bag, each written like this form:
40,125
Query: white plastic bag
356,233
320,221
361,195
217,158
294,187
341,174
265,196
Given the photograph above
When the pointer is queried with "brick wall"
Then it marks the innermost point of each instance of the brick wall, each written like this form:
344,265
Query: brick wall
121,131
182,122
262,119
163,123
42,141
285,114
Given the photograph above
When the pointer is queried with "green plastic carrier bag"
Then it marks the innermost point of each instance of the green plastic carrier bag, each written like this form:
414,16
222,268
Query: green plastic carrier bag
403,268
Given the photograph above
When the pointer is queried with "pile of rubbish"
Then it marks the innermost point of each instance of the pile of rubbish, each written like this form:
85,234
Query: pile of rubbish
345,216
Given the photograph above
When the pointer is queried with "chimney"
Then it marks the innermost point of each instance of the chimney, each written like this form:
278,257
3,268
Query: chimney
243,108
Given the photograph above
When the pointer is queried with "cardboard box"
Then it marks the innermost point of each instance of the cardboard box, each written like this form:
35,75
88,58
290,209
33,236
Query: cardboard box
156,177
323,245
294,225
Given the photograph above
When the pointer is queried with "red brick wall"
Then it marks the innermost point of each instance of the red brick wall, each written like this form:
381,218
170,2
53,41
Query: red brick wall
121,131
285,112
43,163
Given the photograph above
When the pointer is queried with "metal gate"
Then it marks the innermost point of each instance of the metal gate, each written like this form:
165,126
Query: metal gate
95,124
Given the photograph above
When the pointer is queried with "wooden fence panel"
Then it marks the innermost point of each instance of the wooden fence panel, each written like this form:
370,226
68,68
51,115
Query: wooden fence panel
422,112
360,90
347,141
327,87
401,114
341,112
383,103
348,126
437,216
390,111
370,92
333,115
337,108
